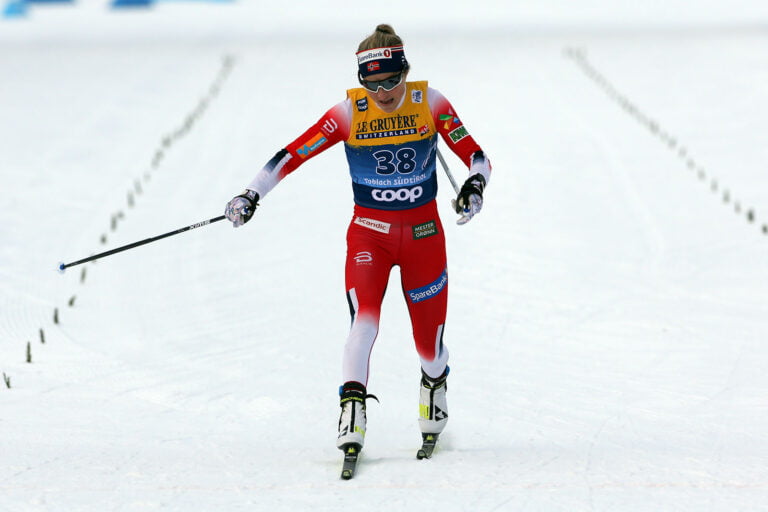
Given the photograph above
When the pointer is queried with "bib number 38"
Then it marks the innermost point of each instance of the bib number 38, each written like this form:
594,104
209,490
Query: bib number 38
402,161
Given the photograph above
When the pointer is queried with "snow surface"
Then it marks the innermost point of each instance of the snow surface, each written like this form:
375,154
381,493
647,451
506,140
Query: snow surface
608,319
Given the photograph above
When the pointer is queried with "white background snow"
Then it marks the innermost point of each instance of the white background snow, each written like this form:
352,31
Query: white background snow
608,317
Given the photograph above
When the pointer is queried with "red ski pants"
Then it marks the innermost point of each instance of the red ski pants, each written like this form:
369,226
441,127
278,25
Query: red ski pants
377,240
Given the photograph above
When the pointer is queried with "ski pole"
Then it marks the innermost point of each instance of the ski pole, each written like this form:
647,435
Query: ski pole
447,172
63,266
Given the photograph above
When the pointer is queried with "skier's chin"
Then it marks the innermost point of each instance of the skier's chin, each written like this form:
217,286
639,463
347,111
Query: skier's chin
387,105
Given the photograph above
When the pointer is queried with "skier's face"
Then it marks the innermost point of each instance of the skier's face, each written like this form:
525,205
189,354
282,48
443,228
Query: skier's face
387,100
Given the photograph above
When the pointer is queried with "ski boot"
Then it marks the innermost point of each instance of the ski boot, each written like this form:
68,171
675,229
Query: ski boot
352,425
433,411
352,420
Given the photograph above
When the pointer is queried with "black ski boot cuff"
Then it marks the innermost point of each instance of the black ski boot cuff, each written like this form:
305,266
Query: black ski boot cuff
430,383
354,391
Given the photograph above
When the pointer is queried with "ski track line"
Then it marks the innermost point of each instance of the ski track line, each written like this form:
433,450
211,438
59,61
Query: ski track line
578,56
166,143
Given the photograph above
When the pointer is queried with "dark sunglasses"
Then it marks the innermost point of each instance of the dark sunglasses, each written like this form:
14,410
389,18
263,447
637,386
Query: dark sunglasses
387,84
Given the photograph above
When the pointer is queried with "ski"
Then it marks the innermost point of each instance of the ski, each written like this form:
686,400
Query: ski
429,441
351,452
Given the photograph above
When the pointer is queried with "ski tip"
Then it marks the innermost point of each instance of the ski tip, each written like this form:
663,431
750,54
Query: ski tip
346,474
421,454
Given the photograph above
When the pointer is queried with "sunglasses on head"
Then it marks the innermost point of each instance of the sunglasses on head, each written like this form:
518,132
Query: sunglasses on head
387,84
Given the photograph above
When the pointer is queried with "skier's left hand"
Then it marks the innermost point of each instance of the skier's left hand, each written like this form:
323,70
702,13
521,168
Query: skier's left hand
470,199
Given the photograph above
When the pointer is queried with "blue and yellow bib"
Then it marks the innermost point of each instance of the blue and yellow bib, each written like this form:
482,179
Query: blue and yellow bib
392,156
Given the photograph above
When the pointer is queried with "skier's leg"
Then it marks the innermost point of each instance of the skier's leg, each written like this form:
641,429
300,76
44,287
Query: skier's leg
425,285
424,279
366,274
367,270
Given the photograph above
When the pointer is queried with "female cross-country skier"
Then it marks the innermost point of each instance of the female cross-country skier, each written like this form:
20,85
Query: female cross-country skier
390,129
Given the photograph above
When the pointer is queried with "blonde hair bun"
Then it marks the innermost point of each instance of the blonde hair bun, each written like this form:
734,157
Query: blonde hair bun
383,36
386,29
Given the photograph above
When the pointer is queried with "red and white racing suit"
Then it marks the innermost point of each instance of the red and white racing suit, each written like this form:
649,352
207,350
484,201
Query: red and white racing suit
392,163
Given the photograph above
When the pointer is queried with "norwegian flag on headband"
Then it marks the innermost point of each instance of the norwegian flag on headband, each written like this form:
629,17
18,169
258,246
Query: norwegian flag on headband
381,60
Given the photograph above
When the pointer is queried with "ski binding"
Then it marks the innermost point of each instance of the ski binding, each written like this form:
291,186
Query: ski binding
429,441
351,453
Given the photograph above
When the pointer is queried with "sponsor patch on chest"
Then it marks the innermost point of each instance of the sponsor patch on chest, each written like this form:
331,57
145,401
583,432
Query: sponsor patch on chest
376,225
424,230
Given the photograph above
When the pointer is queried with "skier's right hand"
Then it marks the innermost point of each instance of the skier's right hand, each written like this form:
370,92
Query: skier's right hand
240,209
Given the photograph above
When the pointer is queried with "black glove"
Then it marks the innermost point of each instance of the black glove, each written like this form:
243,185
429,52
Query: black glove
240,209
470,198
